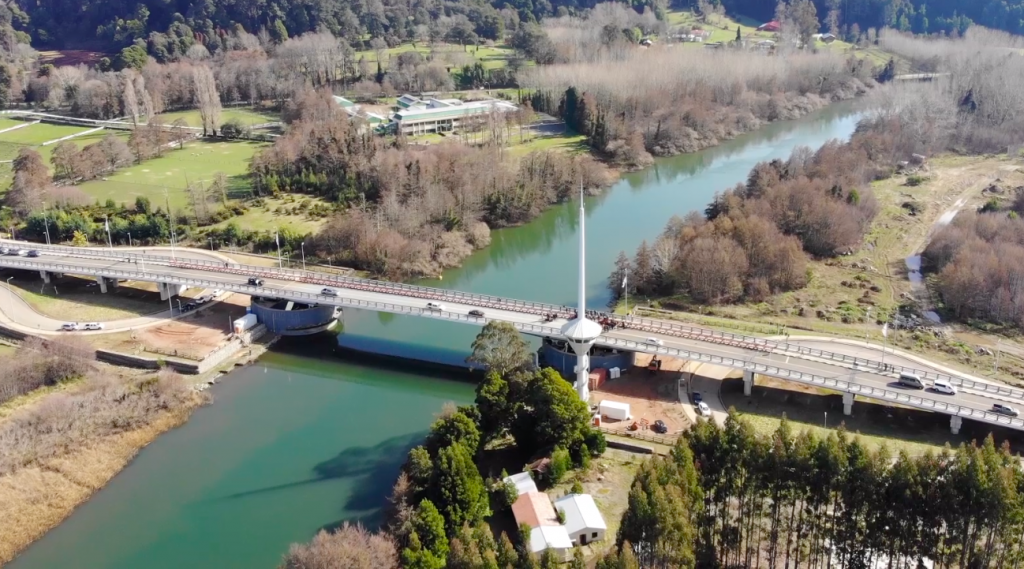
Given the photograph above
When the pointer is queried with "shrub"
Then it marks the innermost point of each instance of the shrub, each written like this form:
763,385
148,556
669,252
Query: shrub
916,180
560,464
596,442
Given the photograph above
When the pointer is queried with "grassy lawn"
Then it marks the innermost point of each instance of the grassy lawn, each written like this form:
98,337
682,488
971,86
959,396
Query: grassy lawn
6,123
199,161
568,142
247,116
80,299
278,213
40,133
491,57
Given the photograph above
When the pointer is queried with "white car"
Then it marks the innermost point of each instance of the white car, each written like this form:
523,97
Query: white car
69,326
94,326
329,292
703,409
217,293
654,342
23,252
200,300
944,387
436,306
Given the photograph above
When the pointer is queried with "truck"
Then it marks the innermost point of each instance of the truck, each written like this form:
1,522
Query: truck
244,323
614,410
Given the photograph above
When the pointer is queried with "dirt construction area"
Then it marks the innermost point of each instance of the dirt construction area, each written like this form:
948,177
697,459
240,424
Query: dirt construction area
191,337
651,395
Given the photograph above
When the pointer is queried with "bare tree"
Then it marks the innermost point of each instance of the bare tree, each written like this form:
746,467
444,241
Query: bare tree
349,547
207,99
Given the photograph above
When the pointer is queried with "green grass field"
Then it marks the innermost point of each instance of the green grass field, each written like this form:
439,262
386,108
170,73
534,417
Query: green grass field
6,123
40,133
268,217
492,57
198,162
247,116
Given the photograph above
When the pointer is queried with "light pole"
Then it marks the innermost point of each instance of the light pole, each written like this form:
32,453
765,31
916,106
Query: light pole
46,223
277,240
130,240
302,248
106,224
170,221
10,298
210,239
826,419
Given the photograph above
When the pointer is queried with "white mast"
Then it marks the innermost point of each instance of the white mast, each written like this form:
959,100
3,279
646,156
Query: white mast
580,332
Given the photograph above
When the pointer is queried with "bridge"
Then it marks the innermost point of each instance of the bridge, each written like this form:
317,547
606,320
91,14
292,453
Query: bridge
788,360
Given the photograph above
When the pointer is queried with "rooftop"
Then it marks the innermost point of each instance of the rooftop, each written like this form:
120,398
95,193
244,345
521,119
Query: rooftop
545,537
469,108
523,481
534,509
581,513
581,329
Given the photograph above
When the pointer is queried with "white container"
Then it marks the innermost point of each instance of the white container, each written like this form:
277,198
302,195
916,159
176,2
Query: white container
614,373
244,323
614,410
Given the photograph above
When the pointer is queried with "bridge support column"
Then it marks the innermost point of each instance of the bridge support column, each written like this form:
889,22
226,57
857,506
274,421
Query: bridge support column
955,422
102,281
847,404
748,382
45,275
168,290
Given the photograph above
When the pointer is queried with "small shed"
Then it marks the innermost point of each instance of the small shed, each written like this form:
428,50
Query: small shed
523,481
555,538
615,410
583,521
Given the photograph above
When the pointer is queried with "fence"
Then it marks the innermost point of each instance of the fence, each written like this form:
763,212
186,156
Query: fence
754,344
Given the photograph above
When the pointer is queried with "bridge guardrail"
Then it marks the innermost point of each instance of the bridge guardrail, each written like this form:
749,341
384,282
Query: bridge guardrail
764,369
490,301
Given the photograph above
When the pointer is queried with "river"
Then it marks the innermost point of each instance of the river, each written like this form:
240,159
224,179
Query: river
312,436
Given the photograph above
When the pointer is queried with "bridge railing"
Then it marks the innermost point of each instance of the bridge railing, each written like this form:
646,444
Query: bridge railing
541,308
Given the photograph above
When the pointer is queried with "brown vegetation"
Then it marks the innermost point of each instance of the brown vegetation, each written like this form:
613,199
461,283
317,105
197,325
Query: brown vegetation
42,363
56,452
753,240
679,99
348,547
979,258
414,211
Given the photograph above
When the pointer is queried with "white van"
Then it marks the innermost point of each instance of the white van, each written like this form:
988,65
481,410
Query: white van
943,386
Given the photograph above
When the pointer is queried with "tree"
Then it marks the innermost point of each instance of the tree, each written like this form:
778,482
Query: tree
460,488
506,552
500,348
560,464
428,543
349,547
207,99
31,182
557,416
578,561
131,57
496,411
179,132
452,428
619,279
79,239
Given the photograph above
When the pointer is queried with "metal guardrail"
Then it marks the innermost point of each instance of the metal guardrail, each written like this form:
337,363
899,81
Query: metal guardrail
763,369
541,308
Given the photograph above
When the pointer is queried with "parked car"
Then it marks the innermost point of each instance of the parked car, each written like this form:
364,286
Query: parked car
329,292
94,326
654,342
910,380
33,253
1005,410
217,293
703,409
189,306
69,326
200,300
697,397
436,306
477,313
943,386
253,281
659,427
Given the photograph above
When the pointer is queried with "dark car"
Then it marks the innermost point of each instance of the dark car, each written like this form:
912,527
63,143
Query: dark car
255,281
478,313
697,398
33,253
189,306
659,427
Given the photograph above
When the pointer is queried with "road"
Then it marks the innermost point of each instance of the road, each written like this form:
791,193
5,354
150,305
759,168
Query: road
785,361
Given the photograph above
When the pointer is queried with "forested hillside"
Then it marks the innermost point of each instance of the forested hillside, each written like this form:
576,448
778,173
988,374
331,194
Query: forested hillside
919,16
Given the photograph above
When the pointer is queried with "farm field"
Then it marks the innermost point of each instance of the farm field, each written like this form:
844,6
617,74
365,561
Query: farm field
198,162
247,116
494,57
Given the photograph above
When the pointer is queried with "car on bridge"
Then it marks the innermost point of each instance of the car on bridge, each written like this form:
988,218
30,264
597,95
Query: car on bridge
329,292
910,380
654,342
33,253
944,387
1005,410
436,306
477,313
253,281
22,252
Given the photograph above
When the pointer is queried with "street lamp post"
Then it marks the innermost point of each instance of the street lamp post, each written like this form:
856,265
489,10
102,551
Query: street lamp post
210,239
130,240
46,223
302,248
10,298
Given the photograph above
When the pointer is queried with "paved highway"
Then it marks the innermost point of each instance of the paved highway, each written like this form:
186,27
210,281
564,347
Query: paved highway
789,361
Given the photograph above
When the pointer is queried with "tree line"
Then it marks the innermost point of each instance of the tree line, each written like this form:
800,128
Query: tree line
437,508
728,497
412,211
754,240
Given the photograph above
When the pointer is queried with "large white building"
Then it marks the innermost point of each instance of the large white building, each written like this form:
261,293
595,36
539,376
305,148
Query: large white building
583,521
419,116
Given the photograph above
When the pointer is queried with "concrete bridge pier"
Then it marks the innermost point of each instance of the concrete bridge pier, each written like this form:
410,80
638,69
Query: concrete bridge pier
748,382
106,284
955,422
45,275
168,290
847,404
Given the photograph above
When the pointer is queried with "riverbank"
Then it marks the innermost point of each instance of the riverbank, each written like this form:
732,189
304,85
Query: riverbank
42,494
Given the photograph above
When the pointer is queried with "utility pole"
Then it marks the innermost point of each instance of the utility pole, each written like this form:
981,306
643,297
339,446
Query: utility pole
302,247
170,220
106,224
46,223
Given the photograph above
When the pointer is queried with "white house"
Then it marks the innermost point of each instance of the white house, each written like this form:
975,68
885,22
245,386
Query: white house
535,510
583,521
523,481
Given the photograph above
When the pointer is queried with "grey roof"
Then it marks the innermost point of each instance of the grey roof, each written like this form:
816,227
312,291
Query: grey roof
581,513
523,481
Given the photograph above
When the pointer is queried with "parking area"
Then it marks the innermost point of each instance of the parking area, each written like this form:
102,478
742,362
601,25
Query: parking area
651,395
